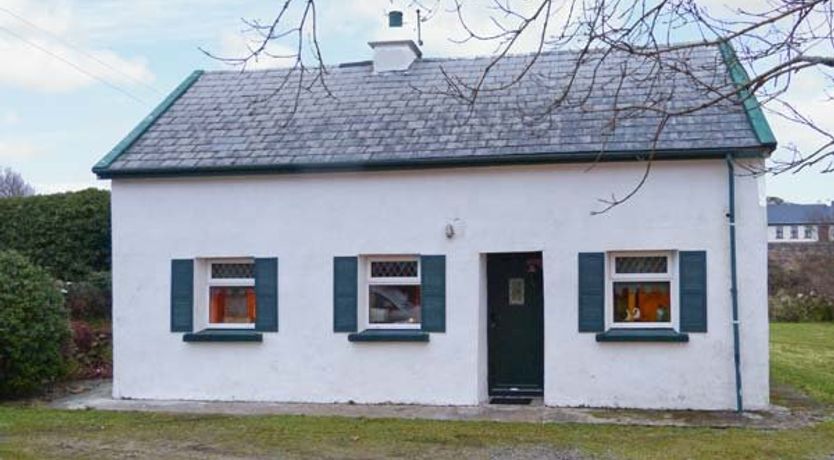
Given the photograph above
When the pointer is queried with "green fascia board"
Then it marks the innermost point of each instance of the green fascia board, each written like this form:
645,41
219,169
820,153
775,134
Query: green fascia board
756,151
146,122
752,108
389,335
223,335
642,335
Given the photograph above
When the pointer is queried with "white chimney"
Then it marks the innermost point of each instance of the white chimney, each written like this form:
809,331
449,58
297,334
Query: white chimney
395,51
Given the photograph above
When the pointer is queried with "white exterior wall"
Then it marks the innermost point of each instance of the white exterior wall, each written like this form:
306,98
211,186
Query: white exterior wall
307,219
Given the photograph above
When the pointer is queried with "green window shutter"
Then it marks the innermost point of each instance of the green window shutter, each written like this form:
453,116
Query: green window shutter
182,295
591,291
692,271
433,293
345,293
266,293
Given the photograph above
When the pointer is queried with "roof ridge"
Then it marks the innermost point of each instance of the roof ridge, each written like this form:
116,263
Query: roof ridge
475,57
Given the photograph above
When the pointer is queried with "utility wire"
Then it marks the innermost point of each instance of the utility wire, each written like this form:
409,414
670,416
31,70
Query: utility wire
79,49
72,64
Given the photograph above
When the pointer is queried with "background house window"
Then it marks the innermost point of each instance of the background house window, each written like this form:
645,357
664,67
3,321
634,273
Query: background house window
809,232
641,287
794,232
394,295
231,288
780,233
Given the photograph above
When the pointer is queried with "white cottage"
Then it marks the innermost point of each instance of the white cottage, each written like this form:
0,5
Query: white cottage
392,244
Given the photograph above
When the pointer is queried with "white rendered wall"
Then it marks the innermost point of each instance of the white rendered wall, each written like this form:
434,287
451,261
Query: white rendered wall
306,220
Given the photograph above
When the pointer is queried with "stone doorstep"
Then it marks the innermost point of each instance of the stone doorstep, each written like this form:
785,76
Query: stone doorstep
98,398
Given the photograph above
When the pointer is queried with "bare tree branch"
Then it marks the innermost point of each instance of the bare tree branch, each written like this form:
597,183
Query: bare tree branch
778,42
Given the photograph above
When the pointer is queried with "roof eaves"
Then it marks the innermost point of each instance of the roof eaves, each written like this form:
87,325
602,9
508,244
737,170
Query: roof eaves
446,162
752,108
102,166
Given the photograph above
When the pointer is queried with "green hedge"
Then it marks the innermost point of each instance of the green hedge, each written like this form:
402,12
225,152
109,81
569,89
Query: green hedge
34,327
68,234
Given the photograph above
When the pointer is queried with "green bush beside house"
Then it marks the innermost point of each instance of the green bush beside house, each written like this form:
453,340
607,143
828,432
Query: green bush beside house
34,327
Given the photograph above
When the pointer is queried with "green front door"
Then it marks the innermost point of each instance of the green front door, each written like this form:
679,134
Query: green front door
515,323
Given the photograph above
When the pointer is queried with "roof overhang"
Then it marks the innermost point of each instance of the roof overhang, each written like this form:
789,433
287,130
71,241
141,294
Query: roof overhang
443,162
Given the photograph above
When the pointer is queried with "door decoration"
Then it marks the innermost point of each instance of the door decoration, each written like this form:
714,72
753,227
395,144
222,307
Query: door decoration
516,291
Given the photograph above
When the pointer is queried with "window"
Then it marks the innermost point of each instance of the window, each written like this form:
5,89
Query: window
641,286
794,232
231,293
780,233
809,232
394,292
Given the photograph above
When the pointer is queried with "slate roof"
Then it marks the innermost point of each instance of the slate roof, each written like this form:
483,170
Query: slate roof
792,213
228,120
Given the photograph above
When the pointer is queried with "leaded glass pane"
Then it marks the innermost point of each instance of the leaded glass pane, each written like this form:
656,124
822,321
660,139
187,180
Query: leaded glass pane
643,264
232,270
394,269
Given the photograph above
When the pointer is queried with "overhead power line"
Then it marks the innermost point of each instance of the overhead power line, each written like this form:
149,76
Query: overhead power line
79,49
72,64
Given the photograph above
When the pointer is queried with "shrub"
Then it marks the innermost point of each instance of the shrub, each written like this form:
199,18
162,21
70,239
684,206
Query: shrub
68,234
790,307
92,354
34,328
802,290
90,298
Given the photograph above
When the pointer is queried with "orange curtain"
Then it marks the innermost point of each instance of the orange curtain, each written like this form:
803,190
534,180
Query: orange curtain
218,306
650,301
250,304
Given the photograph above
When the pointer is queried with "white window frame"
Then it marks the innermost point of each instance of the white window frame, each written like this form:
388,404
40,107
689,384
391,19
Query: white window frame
671,276
794,232
369,280
227,282
808,232
780,232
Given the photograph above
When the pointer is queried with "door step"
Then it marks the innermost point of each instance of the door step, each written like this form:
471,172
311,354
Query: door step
511,400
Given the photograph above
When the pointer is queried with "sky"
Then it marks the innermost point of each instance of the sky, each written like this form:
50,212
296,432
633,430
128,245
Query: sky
77,75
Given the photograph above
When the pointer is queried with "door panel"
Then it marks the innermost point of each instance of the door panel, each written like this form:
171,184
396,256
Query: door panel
515,323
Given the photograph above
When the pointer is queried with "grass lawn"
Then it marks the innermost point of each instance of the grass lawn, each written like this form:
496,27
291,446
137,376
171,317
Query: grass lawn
803,356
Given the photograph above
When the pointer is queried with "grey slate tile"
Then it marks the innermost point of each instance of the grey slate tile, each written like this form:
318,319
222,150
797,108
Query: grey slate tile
230,118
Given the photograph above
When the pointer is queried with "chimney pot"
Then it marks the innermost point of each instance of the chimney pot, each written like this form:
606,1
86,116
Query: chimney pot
395,19
394,50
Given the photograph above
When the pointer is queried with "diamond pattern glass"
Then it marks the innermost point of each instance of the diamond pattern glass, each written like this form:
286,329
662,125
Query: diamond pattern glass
394,269
232,270
647,264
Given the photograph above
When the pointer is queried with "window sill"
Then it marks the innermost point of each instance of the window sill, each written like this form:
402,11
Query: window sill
642,335
223,335
389,335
